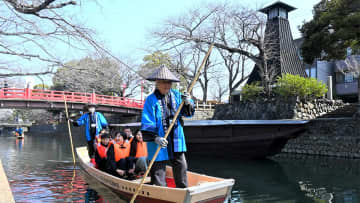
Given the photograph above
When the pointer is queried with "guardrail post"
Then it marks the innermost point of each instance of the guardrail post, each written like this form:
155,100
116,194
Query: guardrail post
28,93
93,97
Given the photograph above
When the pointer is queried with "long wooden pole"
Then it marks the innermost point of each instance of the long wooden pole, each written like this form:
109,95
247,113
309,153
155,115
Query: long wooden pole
172,124
68,122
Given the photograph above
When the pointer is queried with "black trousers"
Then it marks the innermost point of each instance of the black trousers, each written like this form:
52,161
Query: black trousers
179,166
125,163
91,144
91,148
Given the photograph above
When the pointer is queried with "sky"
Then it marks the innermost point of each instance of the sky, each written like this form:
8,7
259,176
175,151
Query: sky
124,26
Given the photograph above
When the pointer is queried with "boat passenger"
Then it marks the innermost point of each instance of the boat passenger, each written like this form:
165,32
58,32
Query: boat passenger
94,122
128,133
124,163
158,112
103,154
138,150
19,131
103,131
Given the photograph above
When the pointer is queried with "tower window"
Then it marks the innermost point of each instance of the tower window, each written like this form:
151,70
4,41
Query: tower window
282,13
273,13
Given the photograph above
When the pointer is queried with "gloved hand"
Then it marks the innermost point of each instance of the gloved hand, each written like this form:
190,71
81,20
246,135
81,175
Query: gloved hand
71,120
162,142
186,97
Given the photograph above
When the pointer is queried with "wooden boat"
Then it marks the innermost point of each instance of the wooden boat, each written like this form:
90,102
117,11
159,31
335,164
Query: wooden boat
19,136
202,188
244,139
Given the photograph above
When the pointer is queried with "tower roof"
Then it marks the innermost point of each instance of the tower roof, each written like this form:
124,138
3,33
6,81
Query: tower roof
277,3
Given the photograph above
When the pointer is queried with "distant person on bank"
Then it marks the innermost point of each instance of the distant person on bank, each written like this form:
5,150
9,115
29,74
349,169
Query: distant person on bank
138,150
94,122
158,112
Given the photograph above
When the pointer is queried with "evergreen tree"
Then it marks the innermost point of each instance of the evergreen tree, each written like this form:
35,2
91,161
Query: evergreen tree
334,28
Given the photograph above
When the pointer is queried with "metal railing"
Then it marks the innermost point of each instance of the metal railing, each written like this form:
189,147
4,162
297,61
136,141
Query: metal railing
203,106
57,96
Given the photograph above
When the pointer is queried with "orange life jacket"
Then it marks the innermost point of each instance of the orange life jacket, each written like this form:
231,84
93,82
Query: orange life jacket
102,150
141,150
131,139
121,151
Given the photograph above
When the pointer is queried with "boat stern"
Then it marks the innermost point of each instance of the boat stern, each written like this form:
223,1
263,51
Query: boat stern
210,192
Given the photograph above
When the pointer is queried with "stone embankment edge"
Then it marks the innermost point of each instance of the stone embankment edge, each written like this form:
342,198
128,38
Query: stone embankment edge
5,191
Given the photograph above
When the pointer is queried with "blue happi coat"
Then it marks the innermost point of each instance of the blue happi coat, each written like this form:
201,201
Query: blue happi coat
19,130
152,121
85,120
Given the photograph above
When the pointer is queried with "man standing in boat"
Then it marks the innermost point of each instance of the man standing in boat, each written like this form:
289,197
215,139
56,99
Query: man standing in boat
159,110
94,122
19,131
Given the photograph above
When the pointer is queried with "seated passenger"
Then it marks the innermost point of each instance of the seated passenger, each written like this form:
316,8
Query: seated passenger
124,163
98,140
138,150
105,157
128,134
103,153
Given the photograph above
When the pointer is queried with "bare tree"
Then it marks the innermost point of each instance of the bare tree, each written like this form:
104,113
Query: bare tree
270,55
233,30
188,61
103,75
219,91
36,31
13,82
235,64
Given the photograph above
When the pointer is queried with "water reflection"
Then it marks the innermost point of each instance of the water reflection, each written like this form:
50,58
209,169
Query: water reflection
255,180
327,179
40,169
19,144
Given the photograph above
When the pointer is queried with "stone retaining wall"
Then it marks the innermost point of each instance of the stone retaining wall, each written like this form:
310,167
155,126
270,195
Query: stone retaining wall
276,109
202,114
330,137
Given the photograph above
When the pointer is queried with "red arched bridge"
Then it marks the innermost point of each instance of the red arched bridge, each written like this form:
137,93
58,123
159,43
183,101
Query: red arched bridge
50,99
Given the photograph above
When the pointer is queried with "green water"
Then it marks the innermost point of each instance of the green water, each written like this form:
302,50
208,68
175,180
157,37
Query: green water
40,169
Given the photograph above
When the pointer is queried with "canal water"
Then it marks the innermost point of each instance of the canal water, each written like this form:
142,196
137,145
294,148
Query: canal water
39,169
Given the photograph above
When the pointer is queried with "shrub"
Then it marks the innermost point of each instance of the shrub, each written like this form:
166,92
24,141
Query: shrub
295,86
251,92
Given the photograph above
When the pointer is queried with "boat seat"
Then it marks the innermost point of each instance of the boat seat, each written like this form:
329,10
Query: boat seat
147,180
202,182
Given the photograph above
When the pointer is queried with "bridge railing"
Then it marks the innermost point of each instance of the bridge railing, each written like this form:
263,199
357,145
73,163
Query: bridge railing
81,97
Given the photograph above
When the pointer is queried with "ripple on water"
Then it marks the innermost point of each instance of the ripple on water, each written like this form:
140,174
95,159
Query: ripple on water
59,183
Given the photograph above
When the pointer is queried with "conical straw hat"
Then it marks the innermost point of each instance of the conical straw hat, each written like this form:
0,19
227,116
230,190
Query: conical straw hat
162,73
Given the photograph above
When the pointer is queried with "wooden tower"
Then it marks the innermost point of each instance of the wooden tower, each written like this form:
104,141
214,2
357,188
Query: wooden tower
278,41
